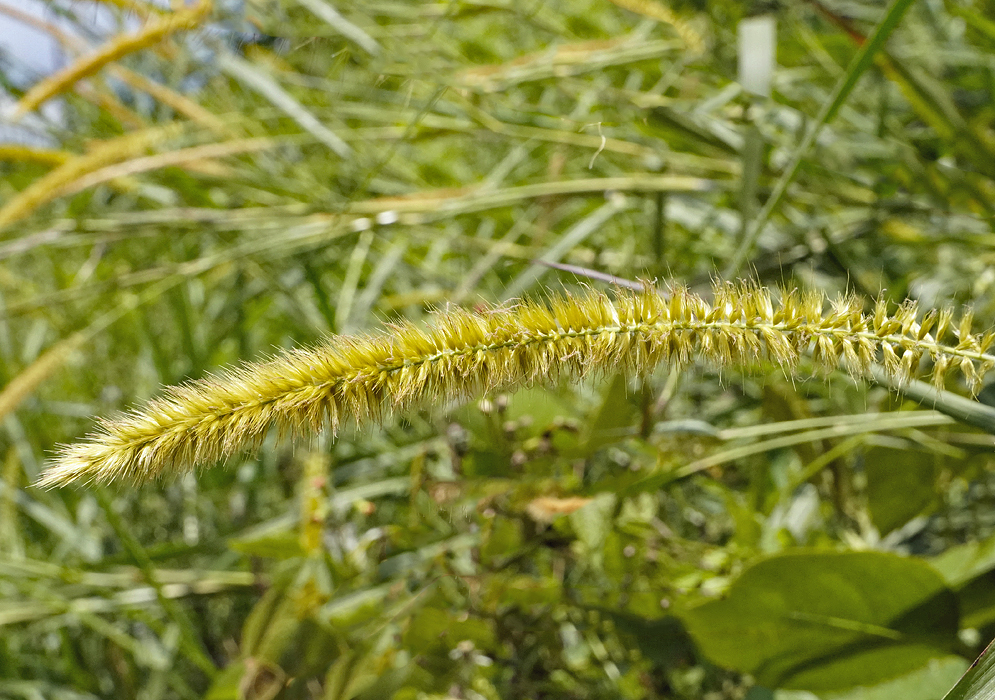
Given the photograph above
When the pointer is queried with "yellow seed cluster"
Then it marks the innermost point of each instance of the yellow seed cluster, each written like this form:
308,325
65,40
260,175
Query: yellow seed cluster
465,353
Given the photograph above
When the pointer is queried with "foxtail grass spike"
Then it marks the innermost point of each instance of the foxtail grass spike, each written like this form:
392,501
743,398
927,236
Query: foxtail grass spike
464,353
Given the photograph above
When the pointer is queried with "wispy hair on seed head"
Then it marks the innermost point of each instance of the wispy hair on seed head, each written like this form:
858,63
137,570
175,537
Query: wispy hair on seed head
465,353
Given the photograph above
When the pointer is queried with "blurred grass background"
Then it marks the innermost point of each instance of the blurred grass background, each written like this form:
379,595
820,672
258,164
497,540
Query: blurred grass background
257,175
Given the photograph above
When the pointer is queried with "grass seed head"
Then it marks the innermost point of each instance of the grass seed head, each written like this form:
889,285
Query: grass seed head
463,354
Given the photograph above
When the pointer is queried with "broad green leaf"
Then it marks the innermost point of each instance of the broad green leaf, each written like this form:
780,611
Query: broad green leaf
386,684
435,629
338,676
540,407
226,683
503,591
355,607
828,621
664,641
977,602
968,569
277,538
613,420
593,522
960,564
502,539
278,545
362,676
265,611
899,485
926,683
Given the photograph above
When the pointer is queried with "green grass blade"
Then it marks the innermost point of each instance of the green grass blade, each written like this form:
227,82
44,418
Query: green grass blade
979,681
959,408
861,62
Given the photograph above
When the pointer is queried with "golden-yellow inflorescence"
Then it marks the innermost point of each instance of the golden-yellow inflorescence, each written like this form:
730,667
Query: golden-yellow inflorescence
466,353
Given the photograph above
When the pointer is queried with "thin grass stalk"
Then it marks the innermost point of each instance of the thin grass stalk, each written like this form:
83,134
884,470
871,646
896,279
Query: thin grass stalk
28,154
143,9
50,361
564,60
119,47
182,157
362,378
296,238
472,199
661,13
190,642
336,21
889,422
180,103
99,95
962,409
251,76
53,184
24,383
844,86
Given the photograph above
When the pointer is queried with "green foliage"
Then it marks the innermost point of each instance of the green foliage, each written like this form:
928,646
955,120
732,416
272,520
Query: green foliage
829,621
900,485
977,682
712,530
